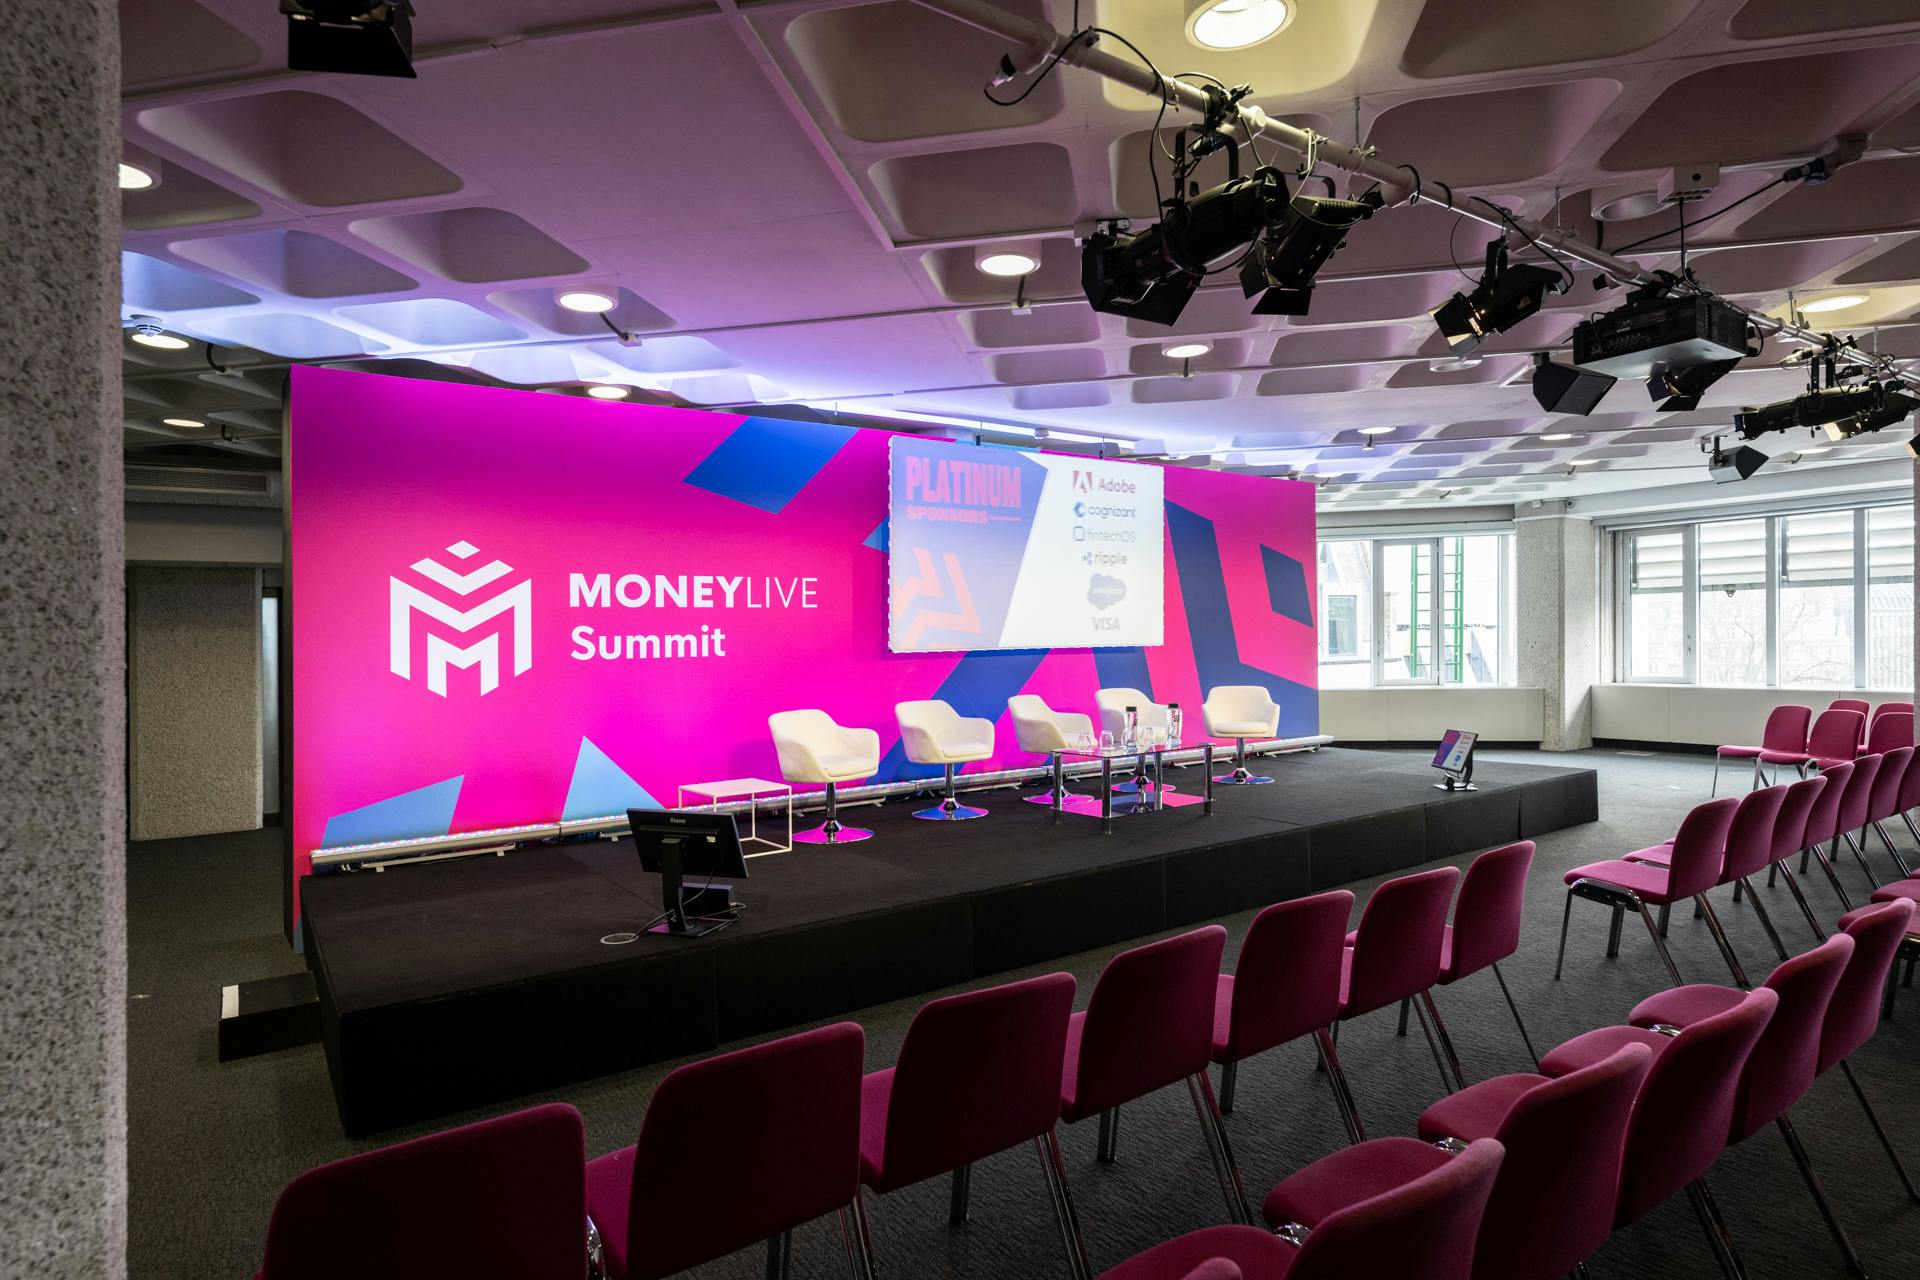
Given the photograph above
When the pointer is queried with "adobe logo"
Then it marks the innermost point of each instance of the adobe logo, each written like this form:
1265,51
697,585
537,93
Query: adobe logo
407,600
1083,482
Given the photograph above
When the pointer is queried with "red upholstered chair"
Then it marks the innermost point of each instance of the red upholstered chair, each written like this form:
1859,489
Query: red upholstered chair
684,1194
1421,1229
1850,704
1486,924
512,1185
1856,810
1693,867
1149,1024
1750,839
1552,1204
1784,1062
1892,727
1890,786
1878,932
977,1074
1785,738
1790,836
1823,827
1285,986
1394,956
1910,796
1836,735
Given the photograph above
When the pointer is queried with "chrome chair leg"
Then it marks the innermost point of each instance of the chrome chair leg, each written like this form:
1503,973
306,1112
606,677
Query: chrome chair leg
1055,1171
1446,1041
779,1255
1406,1006
1819,1193
1239,1209
1659,943
1886,1143
1833,877
1342,1095
1860,855
1800,896
1514,1009
1229,1072
1107,1149
959,1195
1724,1247
858,1240
1906,872
1766,919
1720,939
1566,917
1446,1083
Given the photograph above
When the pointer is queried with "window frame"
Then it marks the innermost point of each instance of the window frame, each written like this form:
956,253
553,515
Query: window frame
1376,647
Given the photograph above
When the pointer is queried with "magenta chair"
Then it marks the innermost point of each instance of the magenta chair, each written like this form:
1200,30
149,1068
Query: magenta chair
1790,836
1693,867
1891,728
1394,956
1856,810
1854,1015
1909,801
1784,1061
1285,986
1552,1204
511,1186
978,1073
1890,786
1784,738
1486,928
1850,704
1750,838
1836,736
1421,1229
1823,828
689,1192
1148,1025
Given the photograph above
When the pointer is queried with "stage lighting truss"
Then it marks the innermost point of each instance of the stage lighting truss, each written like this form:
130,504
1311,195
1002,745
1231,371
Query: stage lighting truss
1504,296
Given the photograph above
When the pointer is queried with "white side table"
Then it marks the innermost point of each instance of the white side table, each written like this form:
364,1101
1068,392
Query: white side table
750,789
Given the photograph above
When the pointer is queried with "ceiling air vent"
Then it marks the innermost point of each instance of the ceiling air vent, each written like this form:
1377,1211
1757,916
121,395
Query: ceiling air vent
200,480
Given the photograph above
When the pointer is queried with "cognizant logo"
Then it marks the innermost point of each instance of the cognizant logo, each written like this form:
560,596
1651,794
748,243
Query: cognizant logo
442,652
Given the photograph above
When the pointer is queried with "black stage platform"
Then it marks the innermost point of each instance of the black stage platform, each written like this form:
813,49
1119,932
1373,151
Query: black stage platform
446,986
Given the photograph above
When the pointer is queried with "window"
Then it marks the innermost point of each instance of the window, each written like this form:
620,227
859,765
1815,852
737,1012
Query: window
1811,600
1416,611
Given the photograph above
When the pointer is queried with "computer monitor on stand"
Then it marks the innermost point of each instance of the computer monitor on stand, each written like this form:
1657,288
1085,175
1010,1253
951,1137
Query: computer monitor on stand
676,845
1455,759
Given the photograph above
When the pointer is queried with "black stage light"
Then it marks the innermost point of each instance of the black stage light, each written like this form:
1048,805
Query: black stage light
1890,410
1152,275
1684,386
1504,297
1742,462
1281,264
1814,409
350,37
1560,388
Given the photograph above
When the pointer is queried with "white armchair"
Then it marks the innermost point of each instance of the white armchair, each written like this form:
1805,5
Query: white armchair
1038,727
1241,711
812,748
1112,705
934,733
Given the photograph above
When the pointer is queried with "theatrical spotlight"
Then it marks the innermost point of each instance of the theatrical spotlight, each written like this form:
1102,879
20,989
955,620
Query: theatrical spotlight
1281,265
1814,409
1152,275
1890,410
350,37
1560,388
1504,297
1684,386
1727,467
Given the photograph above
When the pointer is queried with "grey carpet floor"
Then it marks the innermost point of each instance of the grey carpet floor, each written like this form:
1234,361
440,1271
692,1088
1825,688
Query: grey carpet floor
211,1144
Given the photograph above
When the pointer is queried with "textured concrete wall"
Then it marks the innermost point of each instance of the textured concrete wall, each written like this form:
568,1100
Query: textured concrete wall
193,688
63,960
1559,622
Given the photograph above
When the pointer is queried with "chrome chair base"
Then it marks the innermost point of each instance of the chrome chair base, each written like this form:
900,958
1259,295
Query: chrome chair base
1240,778
949,811
832,833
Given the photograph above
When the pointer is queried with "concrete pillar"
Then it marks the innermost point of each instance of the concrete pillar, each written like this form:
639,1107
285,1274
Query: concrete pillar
63,929
1558,583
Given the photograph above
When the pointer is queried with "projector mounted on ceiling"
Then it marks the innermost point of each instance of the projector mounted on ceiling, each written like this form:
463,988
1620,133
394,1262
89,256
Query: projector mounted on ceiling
350,37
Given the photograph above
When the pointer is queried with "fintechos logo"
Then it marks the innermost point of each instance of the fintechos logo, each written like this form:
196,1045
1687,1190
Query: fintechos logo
407,600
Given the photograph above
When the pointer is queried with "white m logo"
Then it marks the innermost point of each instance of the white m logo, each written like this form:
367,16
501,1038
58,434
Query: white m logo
442,653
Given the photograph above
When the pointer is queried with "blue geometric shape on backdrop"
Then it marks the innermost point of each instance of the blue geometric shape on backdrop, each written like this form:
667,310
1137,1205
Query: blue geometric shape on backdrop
600,787
1216,650
878,538
1123,669
1287,585
766,461
427,811
979,685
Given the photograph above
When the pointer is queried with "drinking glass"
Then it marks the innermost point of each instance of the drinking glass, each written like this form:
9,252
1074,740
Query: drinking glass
1106,740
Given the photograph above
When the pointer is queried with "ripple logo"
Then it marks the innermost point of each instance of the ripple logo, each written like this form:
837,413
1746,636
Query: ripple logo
484,653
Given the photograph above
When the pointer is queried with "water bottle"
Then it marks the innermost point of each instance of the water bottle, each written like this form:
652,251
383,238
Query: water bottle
1173,724
1130,732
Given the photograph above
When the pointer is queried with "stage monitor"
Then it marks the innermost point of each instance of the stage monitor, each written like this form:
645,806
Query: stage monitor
674,845
991,548
1454,757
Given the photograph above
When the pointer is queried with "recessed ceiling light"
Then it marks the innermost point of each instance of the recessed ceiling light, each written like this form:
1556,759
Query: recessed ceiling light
1454,364
183,422
1007,259
590,301
1375,431
1813,448
156,338
134,178
1558,435
1235,24
1832,302
1582,462
608,391
1186,350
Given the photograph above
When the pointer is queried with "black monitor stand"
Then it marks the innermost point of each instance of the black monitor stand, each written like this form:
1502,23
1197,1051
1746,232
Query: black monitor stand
1462,781
691,913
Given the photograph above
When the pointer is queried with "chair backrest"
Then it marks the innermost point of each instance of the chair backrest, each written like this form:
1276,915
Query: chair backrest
1910,785
1890,729
1849,704
1836,734
1824,819
1149,1021
511,1191
978,1073
1787,1056
1423,1229
1886,707
1287,980
1787,728
799,739
1684,1110
1113,703
1796,811
1038,727
1229,704
695,1198
1853,1015
1486,918
1856,801
1700,847
1552,1204
1397,949
1887,783
1750,834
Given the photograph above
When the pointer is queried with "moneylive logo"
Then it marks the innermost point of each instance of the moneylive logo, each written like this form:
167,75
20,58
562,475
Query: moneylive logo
405,600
